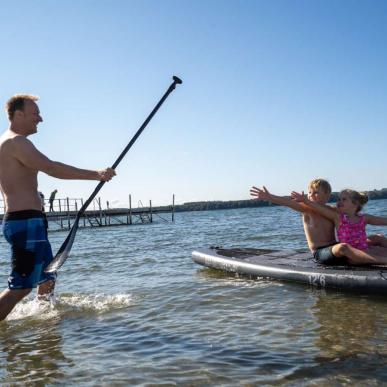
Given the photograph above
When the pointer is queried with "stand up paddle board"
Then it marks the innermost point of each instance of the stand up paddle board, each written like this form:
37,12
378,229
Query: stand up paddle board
292,265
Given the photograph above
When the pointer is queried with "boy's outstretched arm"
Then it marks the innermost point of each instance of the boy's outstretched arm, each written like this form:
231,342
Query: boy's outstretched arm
264,194
326,211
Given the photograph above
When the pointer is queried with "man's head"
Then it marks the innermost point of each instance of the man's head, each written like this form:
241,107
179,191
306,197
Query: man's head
319,190
23,113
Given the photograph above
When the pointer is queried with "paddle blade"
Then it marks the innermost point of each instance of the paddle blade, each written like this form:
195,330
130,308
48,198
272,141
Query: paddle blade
57,262
64,251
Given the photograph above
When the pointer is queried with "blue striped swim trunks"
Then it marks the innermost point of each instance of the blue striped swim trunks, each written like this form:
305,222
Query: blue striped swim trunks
31,251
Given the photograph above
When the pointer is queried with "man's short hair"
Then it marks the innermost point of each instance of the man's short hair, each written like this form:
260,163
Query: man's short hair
17,103
321,183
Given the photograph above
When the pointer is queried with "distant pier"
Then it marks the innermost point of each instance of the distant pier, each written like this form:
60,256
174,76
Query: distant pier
65,210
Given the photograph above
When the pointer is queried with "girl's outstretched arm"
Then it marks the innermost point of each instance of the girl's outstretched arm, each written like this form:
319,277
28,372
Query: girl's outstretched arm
322,209
375,220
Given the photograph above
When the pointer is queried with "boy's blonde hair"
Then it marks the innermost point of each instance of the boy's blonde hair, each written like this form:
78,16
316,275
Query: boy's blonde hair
359,198
321,183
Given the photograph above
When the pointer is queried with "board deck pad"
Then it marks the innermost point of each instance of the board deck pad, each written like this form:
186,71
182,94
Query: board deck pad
293,265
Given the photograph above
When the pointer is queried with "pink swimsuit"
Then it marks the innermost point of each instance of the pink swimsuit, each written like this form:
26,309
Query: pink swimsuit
353,233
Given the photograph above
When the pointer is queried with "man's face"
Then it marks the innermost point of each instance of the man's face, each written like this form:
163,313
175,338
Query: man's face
318,195
30,117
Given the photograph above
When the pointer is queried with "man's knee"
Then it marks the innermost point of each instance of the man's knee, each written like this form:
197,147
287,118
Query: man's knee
341,249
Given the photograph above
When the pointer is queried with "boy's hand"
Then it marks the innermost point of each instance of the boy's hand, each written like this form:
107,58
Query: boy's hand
299,197
262,194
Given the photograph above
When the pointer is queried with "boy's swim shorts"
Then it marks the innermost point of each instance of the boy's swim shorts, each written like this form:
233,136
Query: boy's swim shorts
325,256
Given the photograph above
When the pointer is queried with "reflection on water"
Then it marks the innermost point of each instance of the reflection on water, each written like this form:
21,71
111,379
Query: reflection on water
30,342
32,352
350,325
351,337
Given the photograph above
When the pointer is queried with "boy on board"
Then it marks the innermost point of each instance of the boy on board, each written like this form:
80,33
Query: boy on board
319,231
23,222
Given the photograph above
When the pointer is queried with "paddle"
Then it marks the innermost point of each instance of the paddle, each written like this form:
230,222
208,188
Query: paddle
64,250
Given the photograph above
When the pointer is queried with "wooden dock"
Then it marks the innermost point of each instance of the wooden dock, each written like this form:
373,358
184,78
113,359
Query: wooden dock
65,210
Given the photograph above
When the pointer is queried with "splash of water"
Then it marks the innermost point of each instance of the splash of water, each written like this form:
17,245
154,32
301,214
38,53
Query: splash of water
53,307
39,308
95,302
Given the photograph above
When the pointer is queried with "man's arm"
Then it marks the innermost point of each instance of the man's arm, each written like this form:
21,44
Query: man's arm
264,194
324,210
28,155
375,220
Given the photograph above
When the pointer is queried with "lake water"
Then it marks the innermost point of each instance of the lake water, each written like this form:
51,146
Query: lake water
133,309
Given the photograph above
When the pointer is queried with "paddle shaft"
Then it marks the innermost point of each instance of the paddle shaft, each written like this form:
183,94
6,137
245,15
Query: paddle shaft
132,141
64,250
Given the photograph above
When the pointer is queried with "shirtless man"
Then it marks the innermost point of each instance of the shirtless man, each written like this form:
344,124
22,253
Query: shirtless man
319,231
23,223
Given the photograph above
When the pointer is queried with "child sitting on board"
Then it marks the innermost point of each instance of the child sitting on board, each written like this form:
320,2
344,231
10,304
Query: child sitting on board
350,226
319,230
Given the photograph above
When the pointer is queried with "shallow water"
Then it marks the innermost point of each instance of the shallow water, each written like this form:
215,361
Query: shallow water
132,308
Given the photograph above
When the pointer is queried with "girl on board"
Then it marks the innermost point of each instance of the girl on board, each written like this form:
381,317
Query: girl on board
350,227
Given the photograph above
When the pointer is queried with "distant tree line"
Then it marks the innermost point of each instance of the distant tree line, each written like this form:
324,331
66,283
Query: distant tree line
220,205
231,204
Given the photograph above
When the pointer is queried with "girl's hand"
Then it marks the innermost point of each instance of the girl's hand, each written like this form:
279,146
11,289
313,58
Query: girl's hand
299,197
262,194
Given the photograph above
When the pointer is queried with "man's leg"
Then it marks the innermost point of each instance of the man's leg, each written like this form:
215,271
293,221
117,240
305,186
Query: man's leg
46,289
8,300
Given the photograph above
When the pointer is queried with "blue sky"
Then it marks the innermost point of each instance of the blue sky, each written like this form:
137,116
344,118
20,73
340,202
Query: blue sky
275,93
